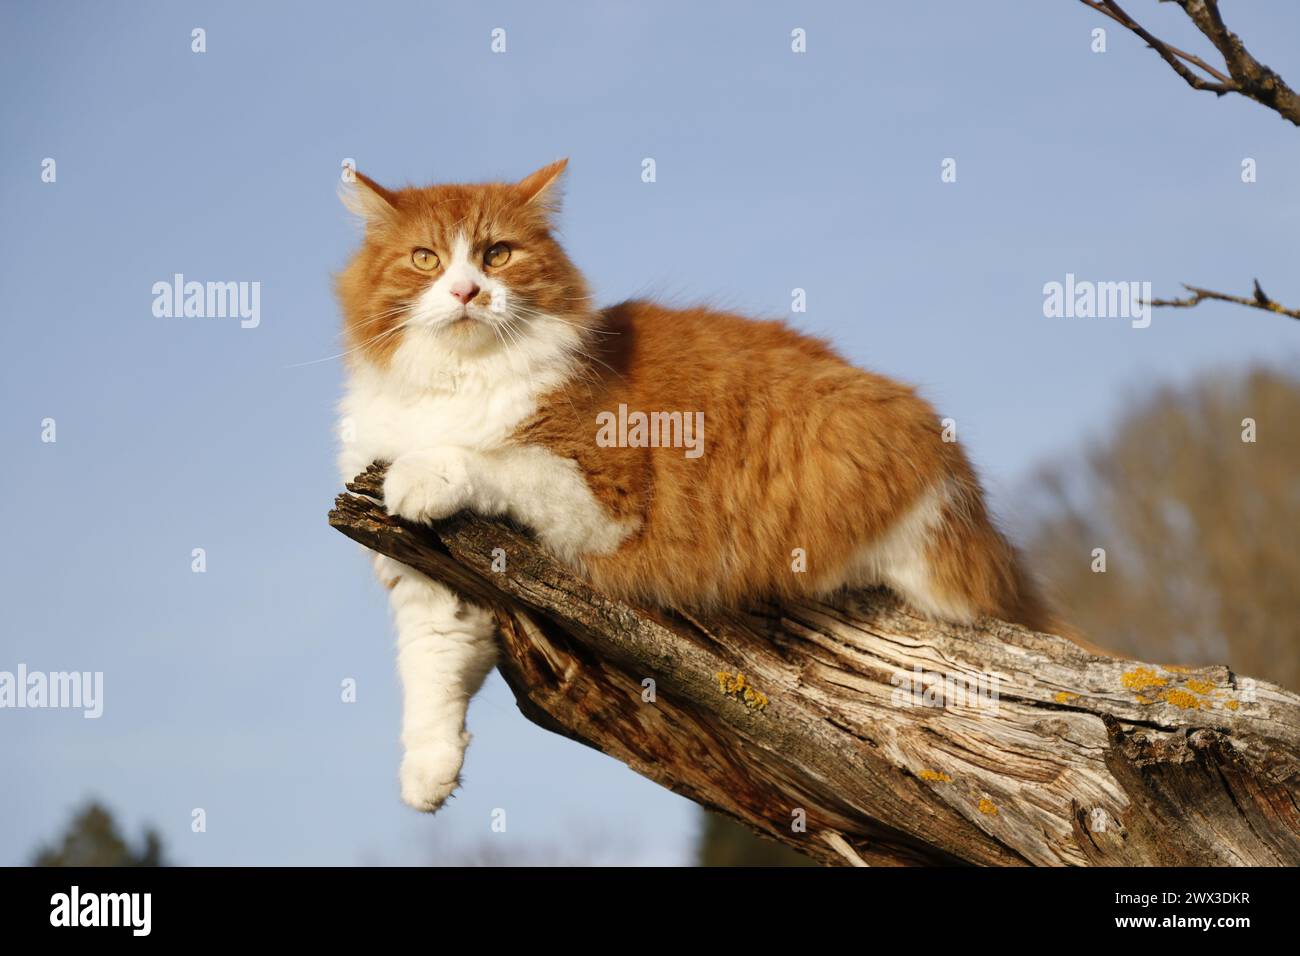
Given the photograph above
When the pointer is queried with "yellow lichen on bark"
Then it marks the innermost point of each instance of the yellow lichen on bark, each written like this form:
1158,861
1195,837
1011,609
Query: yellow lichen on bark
735,685
1140,678
1183,699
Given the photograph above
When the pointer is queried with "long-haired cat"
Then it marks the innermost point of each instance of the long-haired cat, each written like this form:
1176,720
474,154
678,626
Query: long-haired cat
680,457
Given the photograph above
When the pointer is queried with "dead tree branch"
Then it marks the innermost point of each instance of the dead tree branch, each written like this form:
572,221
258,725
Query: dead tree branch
1241,73
859,733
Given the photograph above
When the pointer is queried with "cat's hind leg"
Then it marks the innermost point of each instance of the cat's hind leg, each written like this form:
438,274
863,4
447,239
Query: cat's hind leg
445,650
903,560
947,559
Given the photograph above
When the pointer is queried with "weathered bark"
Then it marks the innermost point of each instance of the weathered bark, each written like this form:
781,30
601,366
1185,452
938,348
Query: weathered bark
1032,752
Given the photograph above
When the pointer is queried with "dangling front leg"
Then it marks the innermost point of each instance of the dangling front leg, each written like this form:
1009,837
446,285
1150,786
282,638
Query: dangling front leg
445,649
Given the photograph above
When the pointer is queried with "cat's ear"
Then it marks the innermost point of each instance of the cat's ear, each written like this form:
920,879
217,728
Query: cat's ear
368,200
542,188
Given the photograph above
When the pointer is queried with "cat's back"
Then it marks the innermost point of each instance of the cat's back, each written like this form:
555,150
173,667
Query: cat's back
716,355
660,331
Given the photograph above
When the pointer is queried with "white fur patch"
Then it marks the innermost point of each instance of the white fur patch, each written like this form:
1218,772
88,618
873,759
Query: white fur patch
440,391
899,559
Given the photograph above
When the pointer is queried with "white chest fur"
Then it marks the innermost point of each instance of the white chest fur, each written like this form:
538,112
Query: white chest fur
429,398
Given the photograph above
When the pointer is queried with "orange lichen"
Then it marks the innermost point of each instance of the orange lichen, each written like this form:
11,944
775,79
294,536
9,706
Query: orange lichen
987,807
1143,699
1200,686
1181,698
1231,704
735,685
938,776
1064,697
1141,678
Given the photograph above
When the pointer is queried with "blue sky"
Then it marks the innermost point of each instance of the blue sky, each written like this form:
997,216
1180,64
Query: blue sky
775,170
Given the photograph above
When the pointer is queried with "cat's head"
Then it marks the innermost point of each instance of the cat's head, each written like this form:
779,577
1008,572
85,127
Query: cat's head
463,268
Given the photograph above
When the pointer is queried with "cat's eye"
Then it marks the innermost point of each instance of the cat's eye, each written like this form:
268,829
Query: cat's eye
425,259
497,255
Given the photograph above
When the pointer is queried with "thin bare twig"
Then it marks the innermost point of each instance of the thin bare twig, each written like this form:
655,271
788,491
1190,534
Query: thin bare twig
1171,54
1245,75
1259,301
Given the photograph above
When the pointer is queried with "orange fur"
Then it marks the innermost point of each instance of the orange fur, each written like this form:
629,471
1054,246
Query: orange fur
802,450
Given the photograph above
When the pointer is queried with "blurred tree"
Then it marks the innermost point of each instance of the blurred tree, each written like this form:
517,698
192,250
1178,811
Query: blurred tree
724,842
1195,498
92,839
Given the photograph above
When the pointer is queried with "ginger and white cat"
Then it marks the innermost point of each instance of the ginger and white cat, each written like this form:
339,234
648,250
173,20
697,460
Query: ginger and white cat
480,369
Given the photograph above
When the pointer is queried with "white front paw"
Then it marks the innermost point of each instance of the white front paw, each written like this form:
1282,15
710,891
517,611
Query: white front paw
428,485
431,773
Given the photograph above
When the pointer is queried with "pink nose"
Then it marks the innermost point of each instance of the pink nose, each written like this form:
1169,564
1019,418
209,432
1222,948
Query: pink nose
462,292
